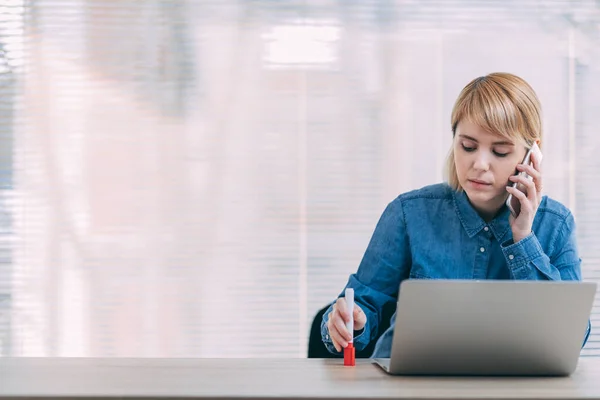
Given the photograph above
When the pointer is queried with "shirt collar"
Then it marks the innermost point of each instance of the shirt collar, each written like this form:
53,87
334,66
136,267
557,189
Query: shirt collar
473,223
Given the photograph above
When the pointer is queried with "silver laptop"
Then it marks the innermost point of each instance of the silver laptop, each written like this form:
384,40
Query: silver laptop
456,327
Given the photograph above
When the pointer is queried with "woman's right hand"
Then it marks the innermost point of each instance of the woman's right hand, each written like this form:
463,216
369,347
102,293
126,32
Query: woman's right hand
336,323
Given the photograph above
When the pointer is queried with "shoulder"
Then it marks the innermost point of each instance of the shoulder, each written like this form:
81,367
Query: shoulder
553,213
426,198
554,225
438,191
549,206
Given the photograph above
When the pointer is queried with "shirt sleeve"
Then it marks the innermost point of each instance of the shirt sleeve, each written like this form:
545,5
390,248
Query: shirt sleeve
385,264
526,259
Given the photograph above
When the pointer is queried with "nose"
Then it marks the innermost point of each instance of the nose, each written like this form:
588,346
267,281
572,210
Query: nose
481,162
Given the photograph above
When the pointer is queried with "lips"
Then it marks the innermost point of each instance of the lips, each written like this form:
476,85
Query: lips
479,182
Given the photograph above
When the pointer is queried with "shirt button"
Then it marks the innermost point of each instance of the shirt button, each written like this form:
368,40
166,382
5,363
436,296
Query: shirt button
481,249
327,337
510,257
486,229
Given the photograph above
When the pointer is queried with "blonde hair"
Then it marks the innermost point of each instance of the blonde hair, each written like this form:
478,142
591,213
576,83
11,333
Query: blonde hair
500,103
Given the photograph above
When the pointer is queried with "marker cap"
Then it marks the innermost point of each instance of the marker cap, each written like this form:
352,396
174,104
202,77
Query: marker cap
349,355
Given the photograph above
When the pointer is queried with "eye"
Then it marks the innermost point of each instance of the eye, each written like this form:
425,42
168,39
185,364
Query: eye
500,154
467,148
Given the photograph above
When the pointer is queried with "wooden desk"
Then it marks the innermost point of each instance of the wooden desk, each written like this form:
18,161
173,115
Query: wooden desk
37,378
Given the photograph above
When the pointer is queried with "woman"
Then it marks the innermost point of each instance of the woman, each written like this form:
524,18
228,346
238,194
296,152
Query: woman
462,229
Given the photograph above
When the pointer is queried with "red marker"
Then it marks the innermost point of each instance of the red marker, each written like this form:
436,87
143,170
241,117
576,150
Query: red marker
349,355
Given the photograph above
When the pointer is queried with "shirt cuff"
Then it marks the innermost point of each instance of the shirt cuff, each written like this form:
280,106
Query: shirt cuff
519,255
325,332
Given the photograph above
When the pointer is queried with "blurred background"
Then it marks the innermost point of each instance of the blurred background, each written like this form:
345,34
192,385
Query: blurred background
198,178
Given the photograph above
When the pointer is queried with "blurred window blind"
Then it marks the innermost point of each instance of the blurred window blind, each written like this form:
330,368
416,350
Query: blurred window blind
199,178
11,103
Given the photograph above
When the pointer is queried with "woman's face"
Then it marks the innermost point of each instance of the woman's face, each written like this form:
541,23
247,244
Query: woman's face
484,162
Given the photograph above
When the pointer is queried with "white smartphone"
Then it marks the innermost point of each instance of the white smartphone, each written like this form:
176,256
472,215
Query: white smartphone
513,204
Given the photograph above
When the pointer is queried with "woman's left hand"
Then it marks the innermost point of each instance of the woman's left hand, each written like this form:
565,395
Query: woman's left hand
522,224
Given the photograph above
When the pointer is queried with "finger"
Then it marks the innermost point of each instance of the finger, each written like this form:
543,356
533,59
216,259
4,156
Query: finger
337,337
338,347
534,173
333,341
333,333
537,164
530,169
340,326
360,319
529,185
342,309
525,203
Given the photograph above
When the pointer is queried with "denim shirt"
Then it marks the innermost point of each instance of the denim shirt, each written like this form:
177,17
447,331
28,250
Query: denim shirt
435,233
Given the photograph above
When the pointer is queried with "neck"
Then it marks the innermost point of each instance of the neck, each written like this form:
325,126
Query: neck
487,216
488,211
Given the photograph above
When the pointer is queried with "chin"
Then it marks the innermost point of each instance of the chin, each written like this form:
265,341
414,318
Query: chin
481,195
477,195
489,198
